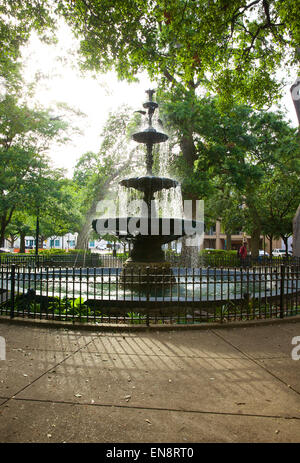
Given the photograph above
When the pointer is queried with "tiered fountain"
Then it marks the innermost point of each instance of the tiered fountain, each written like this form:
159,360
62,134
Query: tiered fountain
148,232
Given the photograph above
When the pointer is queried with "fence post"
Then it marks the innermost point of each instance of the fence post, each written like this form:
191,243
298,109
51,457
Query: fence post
282,276
148,295
12,290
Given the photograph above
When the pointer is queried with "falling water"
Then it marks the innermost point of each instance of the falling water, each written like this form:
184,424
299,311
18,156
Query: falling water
165,158
176,200
122,200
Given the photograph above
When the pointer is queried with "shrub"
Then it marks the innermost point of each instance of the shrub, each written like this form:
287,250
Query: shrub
124,255
218,252
80,251
48,252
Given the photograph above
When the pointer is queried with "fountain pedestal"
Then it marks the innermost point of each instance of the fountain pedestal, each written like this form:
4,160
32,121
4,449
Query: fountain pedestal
146,276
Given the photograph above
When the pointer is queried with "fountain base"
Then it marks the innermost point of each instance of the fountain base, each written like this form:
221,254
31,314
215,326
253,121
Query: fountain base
147,276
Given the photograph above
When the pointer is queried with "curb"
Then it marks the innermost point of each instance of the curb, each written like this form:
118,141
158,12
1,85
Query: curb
125,328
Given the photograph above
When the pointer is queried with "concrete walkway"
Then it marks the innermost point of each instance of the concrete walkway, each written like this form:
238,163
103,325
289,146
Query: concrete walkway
218,385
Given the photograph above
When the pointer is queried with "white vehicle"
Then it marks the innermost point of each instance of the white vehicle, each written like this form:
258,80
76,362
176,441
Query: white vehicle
101,247
280,253
261,252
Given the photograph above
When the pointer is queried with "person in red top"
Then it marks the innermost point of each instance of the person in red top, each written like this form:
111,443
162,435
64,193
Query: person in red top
243,254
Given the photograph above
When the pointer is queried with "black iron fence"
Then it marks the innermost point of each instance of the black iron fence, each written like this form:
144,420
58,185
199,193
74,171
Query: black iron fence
212,260
143,296
106,260
59,260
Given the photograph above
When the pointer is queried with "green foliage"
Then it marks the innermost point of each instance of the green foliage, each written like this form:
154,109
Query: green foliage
80,251
48,252
25,134
29,186
18,18
245,163
122,255
135,317
54,251
217,252
231,48
64,307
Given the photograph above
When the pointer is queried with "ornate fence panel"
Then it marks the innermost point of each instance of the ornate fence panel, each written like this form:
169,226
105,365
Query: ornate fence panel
177,296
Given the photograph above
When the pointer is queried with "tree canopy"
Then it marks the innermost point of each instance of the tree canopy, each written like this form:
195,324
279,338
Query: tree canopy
18,19
243,159
232,48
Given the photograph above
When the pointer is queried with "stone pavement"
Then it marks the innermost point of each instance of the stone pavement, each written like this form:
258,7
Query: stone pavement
237,384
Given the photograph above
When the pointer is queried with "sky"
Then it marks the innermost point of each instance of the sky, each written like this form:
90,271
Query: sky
94,97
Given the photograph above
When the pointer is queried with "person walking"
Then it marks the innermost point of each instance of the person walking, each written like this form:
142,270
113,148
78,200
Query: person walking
243,254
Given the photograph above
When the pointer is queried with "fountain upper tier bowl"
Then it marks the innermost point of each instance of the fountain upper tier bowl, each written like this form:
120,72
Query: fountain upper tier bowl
150,136
149,183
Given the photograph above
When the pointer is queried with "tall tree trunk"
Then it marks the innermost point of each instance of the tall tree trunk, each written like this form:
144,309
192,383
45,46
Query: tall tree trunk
285,240
228,241
255,241
270,244
41,242
11,240
4,221
84,233
22,242
255,219
188,149
2,230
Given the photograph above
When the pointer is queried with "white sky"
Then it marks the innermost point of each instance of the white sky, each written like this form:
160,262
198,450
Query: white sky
95,97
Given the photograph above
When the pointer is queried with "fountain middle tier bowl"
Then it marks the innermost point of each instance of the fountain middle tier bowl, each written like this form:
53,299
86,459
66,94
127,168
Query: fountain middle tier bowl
149,183
160,229
150,136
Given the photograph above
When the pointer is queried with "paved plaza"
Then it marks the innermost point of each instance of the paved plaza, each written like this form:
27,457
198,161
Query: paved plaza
238,384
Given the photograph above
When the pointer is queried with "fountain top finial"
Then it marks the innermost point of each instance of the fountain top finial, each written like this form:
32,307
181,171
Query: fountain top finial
150,93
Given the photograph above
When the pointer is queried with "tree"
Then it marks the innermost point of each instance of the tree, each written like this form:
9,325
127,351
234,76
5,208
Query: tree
229,47
25,136
52,200
18,19
241,153
237,153
95,174
22,224
232,49
224,205
279,199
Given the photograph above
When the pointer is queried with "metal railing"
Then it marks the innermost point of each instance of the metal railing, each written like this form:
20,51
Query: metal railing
159,296
106,260
232,261
66,260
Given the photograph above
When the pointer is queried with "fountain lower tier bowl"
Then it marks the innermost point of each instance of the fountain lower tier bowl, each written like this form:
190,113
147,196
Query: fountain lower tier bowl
147,234
162,229
149,183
